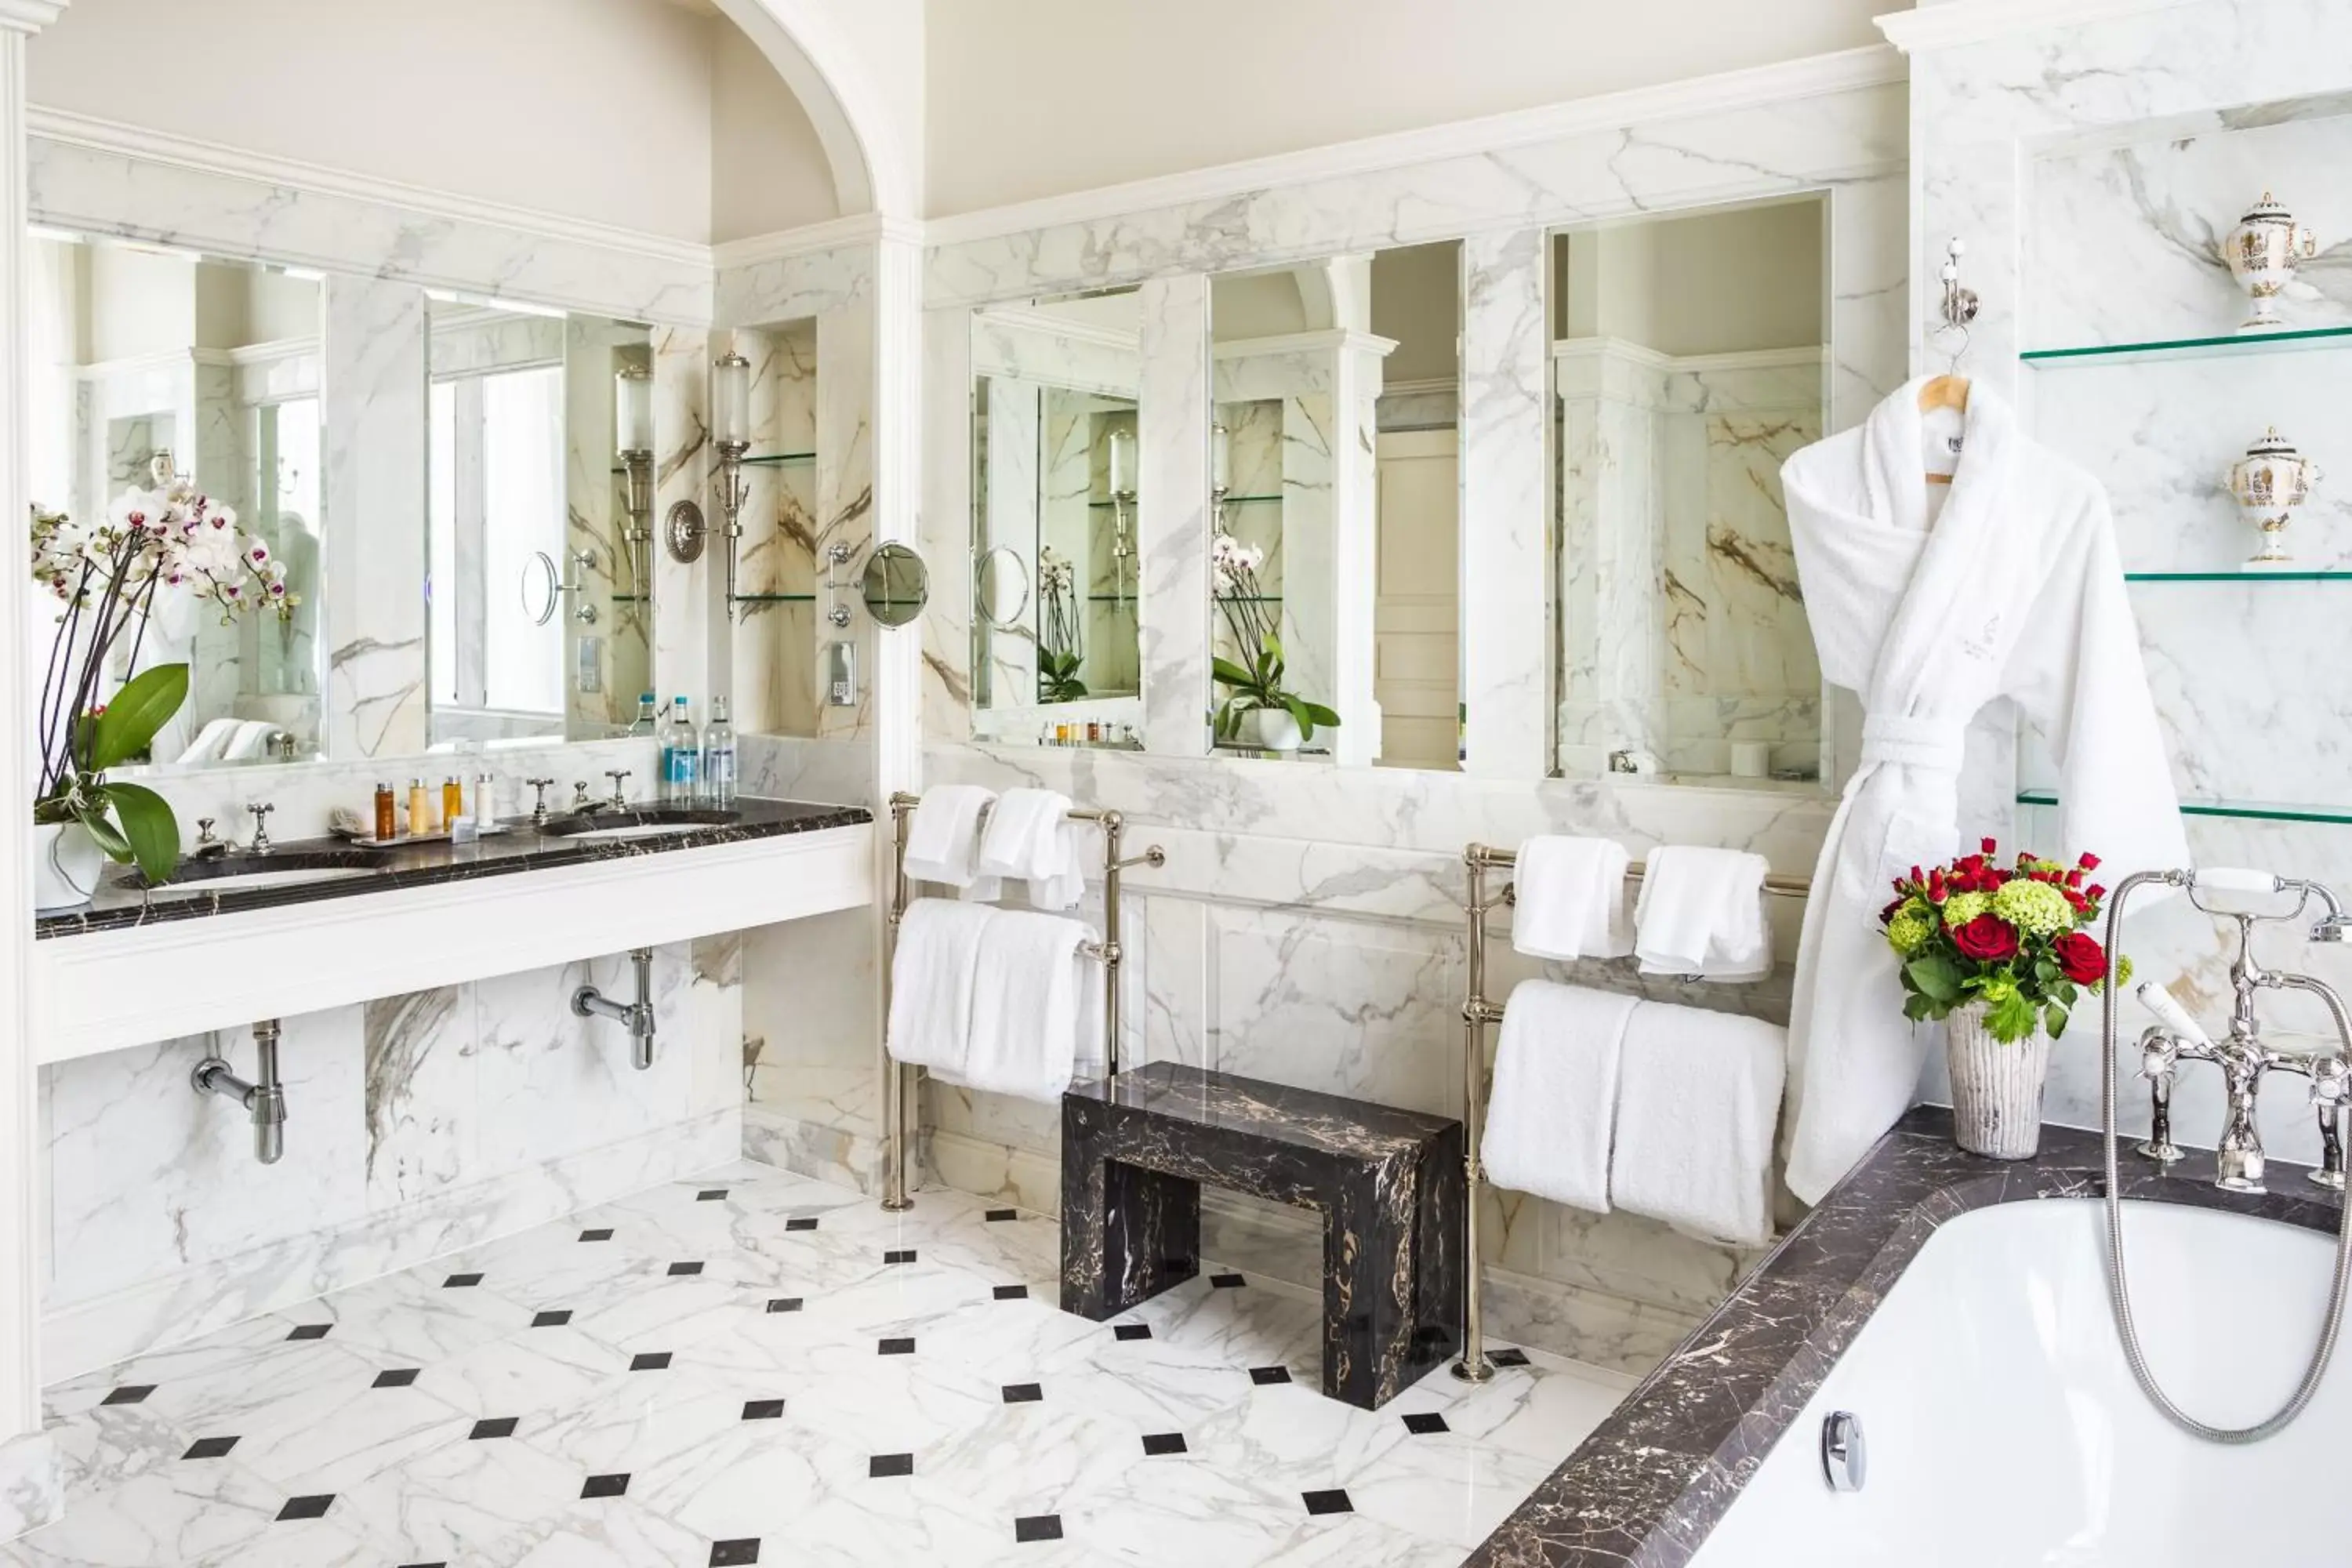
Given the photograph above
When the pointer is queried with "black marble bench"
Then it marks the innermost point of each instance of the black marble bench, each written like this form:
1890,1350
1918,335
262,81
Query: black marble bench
1136,1148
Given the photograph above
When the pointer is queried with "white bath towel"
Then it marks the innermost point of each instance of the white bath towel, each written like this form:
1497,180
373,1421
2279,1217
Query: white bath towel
943,838
933,974
251,741
1569,898
210,741
1555,1098
1031,838
1036,1006
1698,1099
1702,912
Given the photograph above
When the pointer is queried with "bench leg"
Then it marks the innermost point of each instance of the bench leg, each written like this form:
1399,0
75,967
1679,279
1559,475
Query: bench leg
1370,1286
1128,1234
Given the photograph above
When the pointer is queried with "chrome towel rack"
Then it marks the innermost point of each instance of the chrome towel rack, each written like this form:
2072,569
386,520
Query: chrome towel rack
1477,1012
898,1083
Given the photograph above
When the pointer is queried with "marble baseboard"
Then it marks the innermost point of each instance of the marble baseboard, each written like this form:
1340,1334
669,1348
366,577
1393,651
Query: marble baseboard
192,1301
32,1484
812,1149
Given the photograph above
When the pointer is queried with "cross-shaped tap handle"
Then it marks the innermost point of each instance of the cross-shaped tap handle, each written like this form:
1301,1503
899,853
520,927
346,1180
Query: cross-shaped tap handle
538,800
619,776
261,810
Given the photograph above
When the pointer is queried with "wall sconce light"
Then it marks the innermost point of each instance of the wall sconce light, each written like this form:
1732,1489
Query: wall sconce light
1221,457
633,422
730,422
1122,496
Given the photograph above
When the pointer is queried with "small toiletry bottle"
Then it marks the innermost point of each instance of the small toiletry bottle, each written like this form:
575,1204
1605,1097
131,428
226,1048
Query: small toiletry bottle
453,800
420,813
387,820
1094,733
486,800
719,756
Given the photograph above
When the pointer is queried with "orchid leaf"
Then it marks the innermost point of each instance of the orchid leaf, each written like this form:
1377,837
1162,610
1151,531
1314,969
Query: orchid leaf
1297,711
127,727
1231,674
1322,715
152,832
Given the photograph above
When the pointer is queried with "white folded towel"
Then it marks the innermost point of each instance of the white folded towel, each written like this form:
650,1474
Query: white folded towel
1036,1006
1031,838
1698,1098
1555,1098
932,976
1569,898
1702,912
943,838
210,741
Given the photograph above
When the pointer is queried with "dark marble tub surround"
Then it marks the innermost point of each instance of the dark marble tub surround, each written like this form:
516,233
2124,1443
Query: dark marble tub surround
1653,1479
1135,1149
120,903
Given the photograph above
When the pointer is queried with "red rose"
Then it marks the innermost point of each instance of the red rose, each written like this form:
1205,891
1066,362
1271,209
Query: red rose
1888,912
2090,862
1988,845
2095,892
2084,960
1989,939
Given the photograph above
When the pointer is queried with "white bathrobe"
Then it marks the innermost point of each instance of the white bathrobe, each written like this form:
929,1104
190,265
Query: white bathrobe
2014,591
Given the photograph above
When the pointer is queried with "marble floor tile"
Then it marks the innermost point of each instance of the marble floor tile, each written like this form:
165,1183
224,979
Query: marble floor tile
752,1362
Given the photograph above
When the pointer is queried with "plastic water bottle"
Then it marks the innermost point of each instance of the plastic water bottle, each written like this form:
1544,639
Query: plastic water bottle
719,756
681,757
648,714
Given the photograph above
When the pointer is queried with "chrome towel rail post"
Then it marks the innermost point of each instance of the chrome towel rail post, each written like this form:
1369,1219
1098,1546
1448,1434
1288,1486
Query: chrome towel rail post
897,1082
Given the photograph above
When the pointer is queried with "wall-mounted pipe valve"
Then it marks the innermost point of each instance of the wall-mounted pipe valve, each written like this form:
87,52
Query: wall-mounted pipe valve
264,1099
637,1016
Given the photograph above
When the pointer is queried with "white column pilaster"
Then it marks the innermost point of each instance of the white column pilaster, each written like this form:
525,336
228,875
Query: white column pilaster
1173,521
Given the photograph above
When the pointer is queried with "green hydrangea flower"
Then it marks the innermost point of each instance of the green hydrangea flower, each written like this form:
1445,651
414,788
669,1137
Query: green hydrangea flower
1962,908
1908,931
2035,908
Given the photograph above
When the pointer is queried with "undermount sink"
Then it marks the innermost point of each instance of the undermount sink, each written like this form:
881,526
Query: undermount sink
243,873
615,824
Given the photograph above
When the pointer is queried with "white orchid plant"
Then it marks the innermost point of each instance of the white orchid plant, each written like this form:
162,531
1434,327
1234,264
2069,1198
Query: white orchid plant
1061,641
1258,683
158,551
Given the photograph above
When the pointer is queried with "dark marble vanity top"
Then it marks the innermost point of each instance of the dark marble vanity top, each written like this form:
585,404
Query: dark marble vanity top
348,870
1656,1477
1264,1112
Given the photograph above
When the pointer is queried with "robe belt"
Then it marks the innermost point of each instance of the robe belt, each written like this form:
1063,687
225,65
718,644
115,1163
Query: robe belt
1935,743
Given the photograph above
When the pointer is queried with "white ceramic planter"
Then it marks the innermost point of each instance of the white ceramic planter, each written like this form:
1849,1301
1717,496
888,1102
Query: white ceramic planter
67,864
1996,1087
1270,730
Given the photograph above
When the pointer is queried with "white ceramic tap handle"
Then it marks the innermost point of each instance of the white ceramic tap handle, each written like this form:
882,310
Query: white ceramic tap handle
2170,1013
2234,879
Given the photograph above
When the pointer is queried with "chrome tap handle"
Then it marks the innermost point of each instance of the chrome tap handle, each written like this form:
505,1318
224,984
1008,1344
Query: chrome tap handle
2330,1170
539,801
619,776
261,810
579,800
206,843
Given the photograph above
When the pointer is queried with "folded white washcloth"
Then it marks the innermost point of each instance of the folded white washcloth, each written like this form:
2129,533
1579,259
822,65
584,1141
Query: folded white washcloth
210,741
1698,1098
1702,912
1031,838
933,974
943,838
1569,898
1555,1098
251,741
1036,1006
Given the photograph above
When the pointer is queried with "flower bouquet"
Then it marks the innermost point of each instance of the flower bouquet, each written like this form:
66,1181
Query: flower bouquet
2000,954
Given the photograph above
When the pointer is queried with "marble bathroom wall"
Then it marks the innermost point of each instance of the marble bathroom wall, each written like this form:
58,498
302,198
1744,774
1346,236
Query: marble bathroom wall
774,655
416,1125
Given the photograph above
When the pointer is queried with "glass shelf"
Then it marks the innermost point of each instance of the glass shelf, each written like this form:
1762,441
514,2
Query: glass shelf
1229,501
2219,346
775,598
778,460
2244,810
1124,600
1246,598
628,598
2344,576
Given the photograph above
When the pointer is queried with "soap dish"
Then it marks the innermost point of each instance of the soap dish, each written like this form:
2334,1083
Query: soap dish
439,835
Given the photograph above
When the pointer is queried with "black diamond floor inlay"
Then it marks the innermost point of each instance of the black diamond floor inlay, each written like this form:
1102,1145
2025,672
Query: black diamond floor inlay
495,1427
1012,1292
649,1360
1132,1332
734,1554
1332,1501
1227,1281
1426,1423
1508,1358
551,1320
602,1232
313,1507
461,1281
1163,1442
763,1409
1038,1526
1023,1393
605,1486
398,1377
899,1255
209,1447
998,1216
129,1394
683,1270
784,1304
803,1224
896,1347
882,1465
1263,1375
710,1194
311,1332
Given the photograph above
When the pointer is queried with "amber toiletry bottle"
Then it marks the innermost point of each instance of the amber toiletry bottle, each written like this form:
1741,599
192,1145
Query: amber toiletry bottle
387,823
453,802
420,815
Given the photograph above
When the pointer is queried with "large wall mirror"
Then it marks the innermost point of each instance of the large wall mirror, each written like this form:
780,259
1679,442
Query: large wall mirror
1690,360
153,368
1055,632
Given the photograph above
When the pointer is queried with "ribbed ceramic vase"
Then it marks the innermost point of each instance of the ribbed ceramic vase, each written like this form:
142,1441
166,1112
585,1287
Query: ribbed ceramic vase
1996,1087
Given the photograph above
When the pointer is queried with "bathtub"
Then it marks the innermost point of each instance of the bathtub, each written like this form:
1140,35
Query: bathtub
2004,1429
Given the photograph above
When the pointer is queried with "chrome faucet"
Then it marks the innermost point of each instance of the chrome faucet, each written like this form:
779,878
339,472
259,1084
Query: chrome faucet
261,810
208,847
539,812
620,777
2242,1057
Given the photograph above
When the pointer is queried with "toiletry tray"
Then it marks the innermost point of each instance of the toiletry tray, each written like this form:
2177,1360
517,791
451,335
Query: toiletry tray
440,835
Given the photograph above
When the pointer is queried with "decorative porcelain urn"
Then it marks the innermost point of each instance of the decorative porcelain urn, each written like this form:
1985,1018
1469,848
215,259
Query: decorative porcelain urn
2269,482
2262,251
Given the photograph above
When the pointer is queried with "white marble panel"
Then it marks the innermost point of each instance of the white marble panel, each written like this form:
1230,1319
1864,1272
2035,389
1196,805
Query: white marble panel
792,287
1173,540
1506,630
683,617
773,680
551,1085
423,1105
947,524
811,1049
1012,502
846,479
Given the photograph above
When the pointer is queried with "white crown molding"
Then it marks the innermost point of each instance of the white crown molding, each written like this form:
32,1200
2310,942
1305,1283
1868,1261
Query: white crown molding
150,146
1960,22
29,16
833,234
1329,338
1421,387
1847,70
1061,328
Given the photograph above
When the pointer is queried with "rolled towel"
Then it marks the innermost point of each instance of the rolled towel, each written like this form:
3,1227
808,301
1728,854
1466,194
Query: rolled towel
1030,839
943,838
210,741
1569,898
1698,1098
251,740
1555,1098
932,972
1702,912
1036,1006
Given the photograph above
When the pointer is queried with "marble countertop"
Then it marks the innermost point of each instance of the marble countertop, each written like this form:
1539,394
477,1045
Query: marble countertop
120,902
1653,1479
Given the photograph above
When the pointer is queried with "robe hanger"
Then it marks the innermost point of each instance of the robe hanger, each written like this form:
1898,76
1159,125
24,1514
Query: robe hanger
1950,390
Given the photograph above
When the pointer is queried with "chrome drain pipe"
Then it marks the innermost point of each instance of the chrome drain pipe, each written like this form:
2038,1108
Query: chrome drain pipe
264,1099
637,1016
